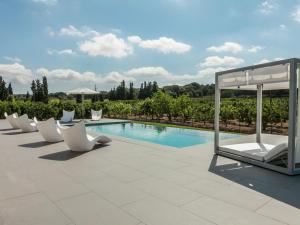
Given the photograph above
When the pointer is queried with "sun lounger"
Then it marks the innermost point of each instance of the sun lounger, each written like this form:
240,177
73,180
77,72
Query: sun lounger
12,120
96,115
77,138
68,116
25,124
49,130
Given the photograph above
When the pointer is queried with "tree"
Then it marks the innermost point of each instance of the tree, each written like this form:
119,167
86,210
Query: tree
147,107
121,92
183,106
3,90
163,104
154,87
141,92
112,94
27,95
9,89
227,113
34,91
44,96
204,112
131,91
39,91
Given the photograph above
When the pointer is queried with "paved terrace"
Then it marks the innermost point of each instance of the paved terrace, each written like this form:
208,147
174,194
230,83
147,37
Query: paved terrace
134,183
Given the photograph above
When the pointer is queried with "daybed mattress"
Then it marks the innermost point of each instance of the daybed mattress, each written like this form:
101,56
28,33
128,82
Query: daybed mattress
257,151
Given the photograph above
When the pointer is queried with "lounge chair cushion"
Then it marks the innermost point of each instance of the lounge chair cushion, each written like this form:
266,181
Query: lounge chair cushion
258,151
275,152
255,151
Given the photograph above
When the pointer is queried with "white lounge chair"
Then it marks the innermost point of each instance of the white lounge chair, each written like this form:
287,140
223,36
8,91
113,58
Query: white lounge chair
12,119
49,130
96,115
26,125
68,116
78,140
257,151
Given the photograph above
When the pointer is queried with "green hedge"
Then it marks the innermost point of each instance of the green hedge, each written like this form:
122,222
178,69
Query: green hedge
160,105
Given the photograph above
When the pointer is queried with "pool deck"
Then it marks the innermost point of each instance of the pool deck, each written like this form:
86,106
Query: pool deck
136,183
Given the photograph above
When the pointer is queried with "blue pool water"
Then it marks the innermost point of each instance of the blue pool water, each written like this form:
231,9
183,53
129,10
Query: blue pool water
175,137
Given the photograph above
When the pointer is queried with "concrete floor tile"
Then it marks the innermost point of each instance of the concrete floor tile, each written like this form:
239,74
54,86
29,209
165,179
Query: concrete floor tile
13,185
281,211
115,191
223,213
33,209
124,173
90,209
152,211
229,193
170,192
60,186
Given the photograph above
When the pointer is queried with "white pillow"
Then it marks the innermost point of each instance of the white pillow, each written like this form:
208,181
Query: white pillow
277,151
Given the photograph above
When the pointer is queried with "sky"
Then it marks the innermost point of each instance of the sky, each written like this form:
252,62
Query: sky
83,43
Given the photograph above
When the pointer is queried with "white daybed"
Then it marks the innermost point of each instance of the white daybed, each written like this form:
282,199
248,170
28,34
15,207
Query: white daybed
279,75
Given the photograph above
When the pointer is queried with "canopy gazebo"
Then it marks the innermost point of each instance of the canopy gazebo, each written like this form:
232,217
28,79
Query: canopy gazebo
279,75
82,92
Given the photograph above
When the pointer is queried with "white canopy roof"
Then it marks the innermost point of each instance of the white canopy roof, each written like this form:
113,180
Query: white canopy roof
271,76
82,91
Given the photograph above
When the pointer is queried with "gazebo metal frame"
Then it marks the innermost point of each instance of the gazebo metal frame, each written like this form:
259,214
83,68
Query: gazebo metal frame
294,63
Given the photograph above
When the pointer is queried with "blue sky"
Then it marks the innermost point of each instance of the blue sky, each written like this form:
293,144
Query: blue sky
80,43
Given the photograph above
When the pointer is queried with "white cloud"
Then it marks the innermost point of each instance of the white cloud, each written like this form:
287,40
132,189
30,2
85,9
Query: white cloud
263,61
134,39
107,45
69,75
267,7
296,14
12,59
148,71
268,60
61,52
214,61
163,44
226,47
255,49
16,73
46,2
210,71
75,32
115,78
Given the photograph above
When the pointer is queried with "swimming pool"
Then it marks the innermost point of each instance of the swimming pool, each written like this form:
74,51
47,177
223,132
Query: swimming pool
170,136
